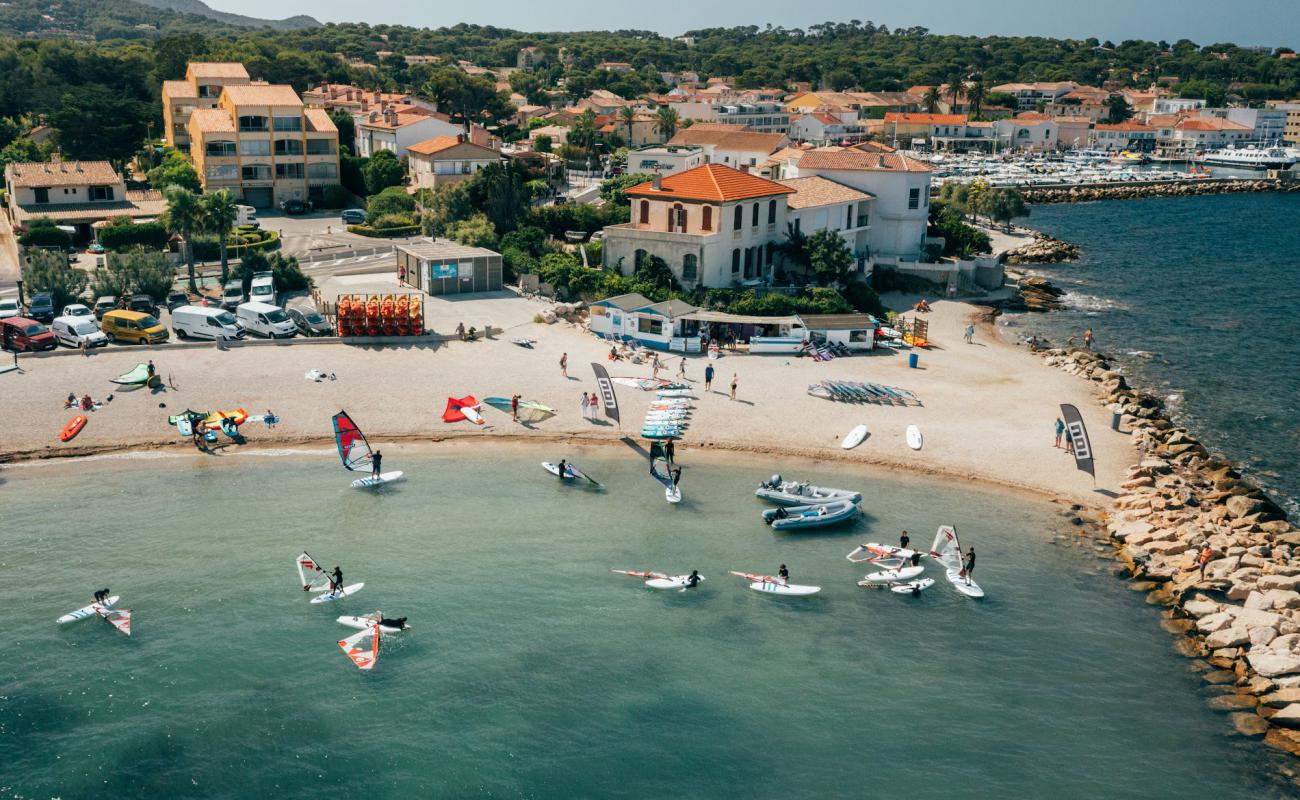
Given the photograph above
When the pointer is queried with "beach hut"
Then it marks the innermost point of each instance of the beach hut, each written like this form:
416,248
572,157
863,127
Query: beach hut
854,331
659,326
440,266
613,317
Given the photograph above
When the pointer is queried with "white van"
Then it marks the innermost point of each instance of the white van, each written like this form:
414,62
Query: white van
247,215
196,322
264,319
73,330
263,288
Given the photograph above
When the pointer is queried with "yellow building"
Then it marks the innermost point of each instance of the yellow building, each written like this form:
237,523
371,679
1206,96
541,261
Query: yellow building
200,89
260,144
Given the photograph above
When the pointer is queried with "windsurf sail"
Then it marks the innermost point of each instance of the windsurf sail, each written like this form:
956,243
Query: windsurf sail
353,447
363,656
946,549
311,575
639,573
136,377
456,406
659,465
529,410
118,618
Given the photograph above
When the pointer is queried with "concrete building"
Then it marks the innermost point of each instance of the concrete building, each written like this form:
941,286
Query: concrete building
821,127
446,159
919,128
74,193
730,146
822,204
395,128
260,144
1134,136
1029,95
667,159
1267,125
355,100
1174,105
764,117
1291,124
1029,131
441,266
529,58
201,88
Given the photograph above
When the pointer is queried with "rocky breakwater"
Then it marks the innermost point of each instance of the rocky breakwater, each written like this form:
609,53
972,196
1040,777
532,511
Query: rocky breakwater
1131,191
1237,607
1042,250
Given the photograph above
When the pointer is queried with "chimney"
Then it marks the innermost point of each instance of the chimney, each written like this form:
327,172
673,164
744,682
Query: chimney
881,160
56,157
374,116
376,96
658,181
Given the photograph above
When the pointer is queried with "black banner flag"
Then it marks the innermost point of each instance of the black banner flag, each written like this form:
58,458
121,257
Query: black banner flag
606,392
1078,436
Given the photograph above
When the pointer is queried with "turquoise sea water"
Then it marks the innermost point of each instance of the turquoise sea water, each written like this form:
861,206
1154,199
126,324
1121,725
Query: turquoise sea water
532,671
1198,298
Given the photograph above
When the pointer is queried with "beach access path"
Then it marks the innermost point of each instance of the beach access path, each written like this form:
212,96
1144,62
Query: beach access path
988,408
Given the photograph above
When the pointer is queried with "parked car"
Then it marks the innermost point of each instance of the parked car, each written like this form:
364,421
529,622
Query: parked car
232,295
310,322
177,299
76,310
9,308
205,323
72,331
21,333
144,304
132,326
353,216
262,289
104,303
41,307
263,319
295,206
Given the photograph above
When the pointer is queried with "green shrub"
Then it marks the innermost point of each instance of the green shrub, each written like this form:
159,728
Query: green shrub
43,232
386,221
366,230
890,280
123,233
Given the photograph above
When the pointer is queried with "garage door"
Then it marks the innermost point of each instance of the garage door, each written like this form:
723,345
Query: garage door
260,197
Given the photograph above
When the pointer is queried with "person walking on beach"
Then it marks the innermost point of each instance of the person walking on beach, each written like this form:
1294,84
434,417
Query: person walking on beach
681,369
670,451
1087,339
1206,555
514,407
968,565
374,464
733,386
654,366
585,406
150,368
594,405
1069,443
708,377
1060,430
970,334
270,419
564,365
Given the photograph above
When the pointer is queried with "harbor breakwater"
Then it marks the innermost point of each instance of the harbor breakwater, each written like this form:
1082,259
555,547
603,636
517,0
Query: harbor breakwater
1180,188
1238,613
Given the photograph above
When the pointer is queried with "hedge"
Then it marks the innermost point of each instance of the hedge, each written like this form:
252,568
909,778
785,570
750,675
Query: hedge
366,230
206,249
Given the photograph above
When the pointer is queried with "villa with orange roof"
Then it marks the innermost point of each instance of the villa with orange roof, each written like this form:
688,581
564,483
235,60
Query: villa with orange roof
446,159
396,127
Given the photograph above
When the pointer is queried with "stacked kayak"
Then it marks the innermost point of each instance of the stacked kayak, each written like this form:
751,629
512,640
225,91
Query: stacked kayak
810,516
857,392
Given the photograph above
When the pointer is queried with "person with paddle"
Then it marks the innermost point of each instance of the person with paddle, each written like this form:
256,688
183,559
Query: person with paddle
374,464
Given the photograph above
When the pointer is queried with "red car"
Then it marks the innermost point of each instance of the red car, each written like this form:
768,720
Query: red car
20,333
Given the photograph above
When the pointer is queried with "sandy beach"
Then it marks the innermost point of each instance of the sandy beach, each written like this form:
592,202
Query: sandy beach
987,408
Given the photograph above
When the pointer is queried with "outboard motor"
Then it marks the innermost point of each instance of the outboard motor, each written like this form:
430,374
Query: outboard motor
774,482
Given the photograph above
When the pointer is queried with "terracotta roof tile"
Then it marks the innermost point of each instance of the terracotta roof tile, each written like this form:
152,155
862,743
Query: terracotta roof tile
63,173
712,182
729,139
212,120
819,191
925,119
262,95
858,160
218,69
438,144
318,121
177,90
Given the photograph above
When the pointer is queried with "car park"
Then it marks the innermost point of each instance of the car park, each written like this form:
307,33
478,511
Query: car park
196,322
310,322
177,299
74,331
144,304
103,304
263,319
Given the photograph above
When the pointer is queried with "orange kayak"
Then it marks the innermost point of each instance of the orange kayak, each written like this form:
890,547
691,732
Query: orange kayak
73,428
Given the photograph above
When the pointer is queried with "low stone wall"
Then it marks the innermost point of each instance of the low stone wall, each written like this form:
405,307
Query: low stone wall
1130,191
1238,616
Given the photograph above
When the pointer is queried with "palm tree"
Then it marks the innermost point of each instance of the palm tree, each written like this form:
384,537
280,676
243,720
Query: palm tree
184,217
666,121
956,85
976,93
219,215
932,98
627,116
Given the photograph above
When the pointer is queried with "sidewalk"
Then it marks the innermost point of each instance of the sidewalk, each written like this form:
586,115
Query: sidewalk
9,266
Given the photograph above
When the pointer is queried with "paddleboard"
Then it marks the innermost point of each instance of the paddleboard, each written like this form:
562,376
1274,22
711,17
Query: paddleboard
854,438
891,576
675,582
185,427
914,439
329,597
554,469
365,623
384,477
959,582
788,589
73,428
89,611
912,587
673,495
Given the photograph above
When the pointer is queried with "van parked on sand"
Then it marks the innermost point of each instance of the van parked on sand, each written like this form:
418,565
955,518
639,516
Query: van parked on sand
197,322
71,331
21,333
133,326
263,319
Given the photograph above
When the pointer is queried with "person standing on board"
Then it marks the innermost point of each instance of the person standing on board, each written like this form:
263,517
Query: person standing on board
336,580
708,377
1060,430
101,595
563,466
677,477
564,365
733,385
903,540
374,464
968,565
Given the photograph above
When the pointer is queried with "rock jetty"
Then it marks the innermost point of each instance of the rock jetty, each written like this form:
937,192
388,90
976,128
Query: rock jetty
1236,609
1130,191
1032,294
1043,249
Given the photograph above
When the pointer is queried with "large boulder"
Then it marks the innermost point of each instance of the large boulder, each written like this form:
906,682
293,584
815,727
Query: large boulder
1287,716
1281,698
1290,583
1228,637
1270,664
1249,725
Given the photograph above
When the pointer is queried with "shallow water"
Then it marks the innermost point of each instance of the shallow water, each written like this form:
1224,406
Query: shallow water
532,671
1197,298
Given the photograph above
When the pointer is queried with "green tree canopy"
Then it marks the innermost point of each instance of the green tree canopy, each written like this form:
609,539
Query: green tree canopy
50,272
382,170
174,170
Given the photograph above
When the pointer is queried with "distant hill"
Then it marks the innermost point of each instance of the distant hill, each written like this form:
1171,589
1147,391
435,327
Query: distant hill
202,9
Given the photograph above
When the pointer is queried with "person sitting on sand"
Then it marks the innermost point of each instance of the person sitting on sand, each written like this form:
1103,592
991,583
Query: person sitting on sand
71,401
87,403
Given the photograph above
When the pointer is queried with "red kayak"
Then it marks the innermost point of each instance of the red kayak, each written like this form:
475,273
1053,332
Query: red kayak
73,428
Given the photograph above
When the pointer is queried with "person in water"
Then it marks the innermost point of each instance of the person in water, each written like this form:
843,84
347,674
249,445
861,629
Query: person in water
968,564
396,623
693,581
783,573
903,540
336,580
375,461
916,559
101,595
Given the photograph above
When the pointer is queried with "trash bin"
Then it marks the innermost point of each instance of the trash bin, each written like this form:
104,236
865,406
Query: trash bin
913,359
1114,420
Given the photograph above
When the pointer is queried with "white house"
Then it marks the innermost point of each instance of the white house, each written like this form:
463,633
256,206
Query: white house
730,145
1027,131
396,128
820,203
446,159
821,126
666,159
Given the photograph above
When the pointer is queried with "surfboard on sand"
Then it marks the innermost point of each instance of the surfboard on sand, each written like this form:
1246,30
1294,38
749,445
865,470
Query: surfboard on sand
854,438
914,438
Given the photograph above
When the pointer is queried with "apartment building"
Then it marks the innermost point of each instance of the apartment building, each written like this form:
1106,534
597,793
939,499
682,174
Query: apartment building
1029,95
731,145
355,100
201,88
1291,123
1132,135
762,117
260,144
